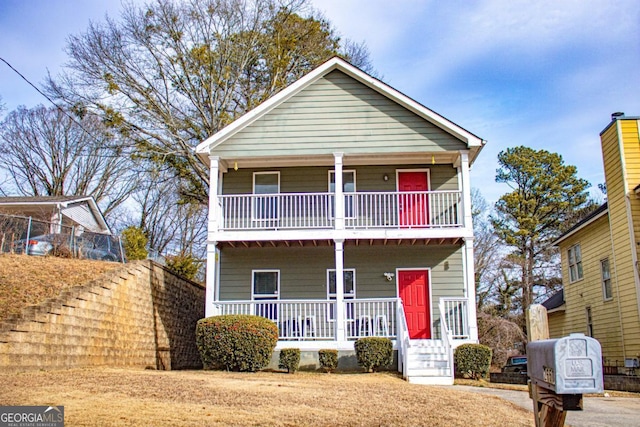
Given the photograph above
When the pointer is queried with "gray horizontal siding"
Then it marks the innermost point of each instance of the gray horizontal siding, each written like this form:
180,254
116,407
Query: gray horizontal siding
337,113
315,179
303,270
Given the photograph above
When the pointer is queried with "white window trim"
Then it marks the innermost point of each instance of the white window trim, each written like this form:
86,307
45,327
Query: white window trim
604,293
355,187
332,296
265,173
255,297
346,295
579,276
253,204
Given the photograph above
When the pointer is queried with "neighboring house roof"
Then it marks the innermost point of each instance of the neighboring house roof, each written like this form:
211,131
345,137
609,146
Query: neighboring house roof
593,216
81,209
473,142
555,302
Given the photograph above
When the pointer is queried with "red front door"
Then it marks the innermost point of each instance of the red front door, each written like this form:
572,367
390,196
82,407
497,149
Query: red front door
413,287
414,206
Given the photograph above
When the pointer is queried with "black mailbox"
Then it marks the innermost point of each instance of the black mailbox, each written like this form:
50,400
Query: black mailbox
569,365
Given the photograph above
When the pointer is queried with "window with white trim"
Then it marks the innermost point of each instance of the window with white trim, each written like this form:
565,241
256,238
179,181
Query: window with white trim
348,186
265,202
265,286
349,293
575,263
589,322
607,292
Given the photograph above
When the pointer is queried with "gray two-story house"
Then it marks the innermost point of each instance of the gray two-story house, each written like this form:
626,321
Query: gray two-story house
341,208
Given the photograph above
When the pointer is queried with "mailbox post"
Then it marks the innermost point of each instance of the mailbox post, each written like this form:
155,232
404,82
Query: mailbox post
560,370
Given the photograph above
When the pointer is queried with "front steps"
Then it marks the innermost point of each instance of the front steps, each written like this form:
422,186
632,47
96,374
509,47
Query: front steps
428,363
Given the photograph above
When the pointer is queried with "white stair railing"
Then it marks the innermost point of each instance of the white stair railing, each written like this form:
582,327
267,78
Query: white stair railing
403,340
447,339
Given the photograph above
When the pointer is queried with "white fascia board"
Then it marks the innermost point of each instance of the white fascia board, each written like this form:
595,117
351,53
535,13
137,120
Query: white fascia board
203,149
93,206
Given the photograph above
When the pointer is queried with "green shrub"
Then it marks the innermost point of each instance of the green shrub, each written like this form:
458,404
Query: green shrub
374,353
328,359
236,342
134,243
472,360
289,359
186,266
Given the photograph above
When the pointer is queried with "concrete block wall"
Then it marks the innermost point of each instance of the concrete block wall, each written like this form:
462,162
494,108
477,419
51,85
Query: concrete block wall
139,316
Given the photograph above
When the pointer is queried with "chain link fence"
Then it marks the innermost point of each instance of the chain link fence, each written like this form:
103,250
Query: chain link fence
26,235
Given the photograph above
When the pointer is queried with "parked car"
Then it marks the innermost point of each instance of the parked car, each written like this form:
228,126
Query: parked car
45,244
66,245
516,364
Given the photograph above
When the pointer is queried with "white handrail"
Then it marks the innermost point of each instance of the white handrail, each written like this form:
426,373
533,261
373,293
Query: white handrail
447,340
403,340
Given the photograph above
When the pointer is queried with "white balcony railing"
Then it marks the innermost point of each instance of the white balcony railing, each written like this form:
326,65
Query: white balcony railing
316,319
362,210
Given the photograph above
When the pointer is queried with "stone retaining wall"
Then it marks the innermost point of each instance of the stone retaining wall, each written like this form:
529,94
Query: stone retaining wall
139,316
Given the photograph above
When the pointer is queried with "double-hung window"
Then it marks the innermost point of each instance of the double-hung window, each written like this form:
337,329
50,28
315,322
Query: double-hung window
265,287
349,290
607,292
348,188
575,263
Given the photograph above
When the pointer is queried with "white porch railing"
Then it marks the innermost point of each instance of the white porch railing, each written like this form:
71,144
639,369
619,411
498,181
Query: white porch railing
454,311
362,210
315,319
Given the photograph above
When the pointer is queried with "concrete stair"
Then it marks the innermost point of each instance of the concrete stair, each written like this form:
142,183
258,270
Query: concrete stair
428,363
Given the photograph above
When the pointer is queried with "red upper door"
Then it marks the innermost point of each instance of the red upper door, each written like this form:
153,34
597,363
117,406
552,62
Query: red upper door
413,207
413,288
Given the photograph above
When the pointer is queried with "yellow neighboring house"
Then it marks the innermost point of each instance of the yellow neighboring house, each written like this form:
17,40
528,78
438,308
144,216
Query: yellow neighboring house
600,269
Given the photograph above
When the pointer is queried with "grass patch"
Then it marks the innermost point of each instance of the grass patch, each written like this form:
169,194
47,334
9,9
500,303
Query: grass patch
118,397
30,280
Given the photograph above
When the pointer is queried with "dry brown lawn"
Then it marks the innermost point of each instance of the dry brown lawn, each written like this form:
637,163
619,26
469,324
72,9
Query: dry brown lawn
128,397
30,280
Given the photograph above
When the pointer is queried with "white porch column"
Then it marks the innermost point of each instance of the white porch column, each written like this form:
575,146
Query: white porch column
470,285
340,308
463,171
339,194
212,229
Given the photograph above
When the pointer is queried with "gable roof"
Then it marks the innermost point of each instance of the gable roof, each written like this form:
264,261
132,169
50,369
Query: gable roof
473,142
593,216
58,202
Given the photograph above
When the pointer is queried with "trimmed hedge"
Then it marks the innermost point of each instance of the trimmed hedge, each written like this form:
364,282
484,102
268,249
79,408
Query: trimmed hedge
236,342
374,353
328,359
289,359
472,360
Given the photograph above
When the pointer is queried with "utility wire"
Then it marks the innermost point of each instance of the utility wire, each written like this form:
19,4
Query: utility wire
48,99
65,112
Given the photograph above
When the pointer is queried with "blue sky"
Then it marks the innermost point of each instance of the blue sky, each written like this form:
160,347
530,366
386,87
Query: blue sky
545,73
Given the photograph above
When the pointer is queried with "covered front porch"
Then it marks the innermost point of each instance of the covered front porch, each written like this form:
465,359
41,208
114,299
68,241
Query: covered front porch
316,321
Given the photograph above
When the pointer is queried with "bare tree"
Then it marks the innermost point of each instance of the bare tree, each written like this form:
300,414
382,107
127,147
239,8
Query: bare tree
172,73
46,152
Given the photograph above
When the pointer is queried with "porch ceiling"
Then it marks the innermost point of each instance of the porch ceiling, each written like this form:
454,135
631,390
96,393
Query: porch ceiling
349,242
350,159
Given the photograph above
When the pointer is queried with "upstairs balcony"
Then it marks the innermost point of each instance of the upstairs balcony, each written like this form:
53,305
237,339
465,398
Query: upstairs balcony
362,211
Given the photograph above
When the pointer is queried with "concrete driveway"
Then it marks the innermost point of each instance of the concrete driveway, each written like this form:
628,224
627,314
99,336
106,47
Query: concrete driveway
598,411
